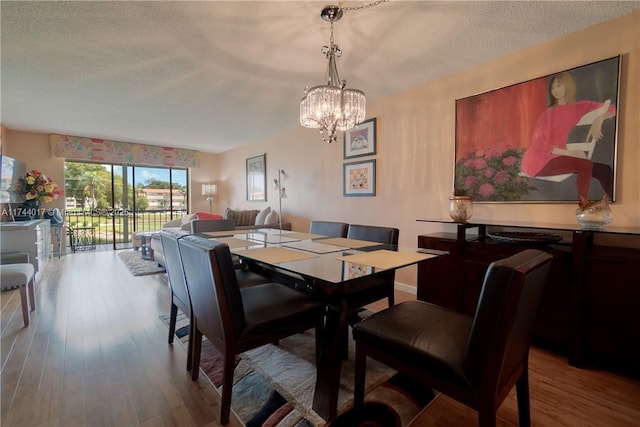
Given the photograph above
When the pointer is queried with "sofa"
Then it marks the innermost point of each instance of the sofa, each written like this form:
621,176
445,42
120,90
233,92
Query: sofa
245,220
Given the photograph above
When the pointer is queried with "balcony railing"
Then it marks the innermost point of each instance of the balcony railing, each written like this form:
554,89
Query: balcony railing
120,224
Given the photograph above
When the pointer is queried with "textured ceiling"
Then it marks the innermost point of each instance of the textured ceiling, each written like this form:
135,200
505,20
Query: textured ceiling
215,75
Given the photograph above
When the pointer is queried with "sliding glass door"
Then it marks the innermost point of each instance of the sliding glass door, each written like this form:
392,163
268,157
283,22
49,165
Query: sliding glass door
116,201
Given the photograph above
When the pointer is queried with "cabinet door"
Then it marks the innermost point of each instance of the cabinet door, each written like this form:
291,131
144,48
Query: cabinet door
610,312
440,279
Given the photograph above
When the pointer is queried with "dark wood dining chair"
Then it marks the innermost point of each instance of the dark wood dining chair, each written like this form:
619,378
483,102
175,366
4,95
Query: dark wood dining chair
329,228
474,360
177,284
378,286
238,319
180,298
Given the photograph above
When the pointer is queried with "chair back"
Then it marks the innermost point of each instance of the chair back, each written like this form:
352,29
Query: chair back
505,316
173,265
201,225
329,228
215,294
372,233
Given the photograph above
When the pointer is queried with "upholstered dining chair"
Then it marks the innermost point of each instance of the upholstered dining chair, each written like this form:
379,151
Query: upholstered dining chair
177,284
180,298
380,286
329,228
238,319
474,360
202,225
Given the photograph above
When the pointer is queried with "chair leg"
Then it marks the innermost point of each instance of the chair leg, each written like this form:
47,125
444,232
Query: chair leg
32,293
172,321
522,393
227,386
190,345
487,416
360,370
197,347
24,301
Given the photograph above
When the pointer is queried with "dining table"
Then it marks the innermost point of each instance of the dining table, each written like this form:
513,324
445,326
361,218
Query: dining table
335,270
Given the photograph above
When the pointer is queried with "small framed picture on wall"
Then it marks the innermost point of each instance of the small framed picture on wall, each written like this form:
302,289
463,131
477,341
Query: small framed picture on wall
359,179
360,140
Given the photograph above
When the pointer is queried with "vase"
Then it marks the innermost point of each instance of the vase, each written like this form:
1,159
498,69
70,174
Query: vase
31,209
595,215
460,208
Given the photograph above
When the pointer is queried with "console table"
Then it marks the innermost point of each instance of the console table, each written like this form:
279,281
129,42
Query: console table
591,301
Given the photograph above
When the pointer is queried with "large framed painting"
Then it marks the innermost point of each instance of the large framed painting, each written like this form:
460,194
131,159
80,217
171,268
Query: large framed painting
551,139
257,178
359,179
360,140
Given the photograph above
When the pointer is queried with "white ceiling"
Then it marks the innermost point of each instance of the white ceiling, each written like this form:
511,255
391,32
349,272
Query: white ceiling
215,75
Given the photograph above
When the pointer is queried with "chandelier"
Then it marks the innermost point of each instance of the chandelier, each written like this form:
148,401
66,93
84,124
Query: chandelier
332,107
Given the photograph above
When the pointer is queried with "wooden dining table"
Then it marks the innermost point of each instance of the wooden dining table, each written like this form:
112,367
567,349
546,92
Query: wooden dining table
335,270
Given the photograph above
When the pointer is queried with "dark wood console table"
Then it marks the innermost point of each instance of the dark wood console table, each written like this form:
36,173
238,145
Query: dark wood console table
591,306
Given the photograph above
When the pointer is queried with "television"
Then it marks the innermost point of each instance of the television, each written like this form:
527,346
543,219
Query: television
12,184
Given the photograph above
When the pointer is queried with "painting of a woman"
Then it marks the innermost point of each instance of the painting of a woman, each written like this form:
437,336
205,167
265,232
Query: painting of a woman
549,153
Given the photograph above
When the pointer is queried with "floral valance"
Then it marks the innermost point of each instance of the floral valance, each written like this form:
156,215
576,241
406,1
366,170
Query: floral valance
102,150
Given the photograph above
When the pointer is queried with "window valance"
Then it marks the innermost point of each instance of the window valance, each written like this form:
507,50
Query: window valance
102,150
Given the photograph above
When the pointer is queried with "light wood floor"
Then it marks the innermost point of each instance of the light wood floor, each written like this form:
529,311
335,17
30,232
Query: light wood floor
96,354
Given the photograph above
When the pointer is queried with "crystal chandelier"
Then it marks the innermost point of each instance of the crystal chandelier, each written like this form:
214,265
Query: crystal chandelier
332,107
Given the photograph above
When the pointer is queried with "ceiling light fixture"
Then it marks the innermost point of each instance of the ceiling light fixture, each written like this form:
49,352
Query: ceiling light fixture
332,107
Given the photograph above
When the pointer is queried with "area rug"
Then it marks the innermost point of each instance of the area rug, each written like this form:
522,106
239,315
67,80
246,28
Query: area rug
273,385
138,266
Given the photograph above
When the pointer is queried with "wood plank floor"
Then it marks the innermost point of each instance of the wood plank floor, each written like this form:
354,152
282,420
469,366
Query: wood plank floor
96,354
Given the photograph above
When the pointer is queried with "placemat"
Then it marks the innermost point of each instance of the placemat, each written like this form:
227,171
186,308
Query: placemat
349,243
235,242
304,236
386,259
273,255
270,238
315,247
225,233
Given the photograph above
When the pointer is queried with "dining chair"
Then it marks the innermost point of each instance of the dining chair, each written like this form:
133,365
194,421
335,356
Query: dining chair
474,360
378,286
202,225
238,319
329,228
177,284
180,298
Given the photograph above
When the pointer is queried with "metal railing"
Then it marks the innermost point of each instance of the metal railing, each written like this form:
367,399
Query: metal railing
118,225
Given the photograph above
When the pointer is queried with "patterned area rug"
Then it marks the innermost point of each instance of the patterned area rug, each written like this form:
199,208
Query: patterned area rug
138,266
273,385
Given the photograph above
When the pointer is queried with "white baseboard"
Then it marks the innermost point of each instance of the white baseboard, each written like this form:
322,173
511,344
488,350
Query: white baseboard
403,287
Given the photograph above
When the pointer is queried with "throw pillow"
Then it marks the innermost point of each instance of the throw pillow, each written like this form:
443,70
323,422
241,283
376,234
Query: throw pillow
204,215
187,219
272,218
262,215
245,217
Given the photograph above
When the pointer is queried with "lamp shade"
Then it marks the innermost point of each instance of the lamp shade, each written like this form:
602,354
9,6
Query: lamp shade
209,189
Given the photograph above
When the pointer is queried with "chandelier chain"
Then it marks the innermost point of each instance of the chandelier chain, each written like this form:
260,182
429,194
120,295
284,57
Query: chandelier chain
365,6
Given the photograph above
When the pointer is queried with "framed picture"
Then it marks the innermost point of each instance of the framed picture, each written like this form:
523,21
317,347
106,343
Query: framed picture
551,139
360,140
351,270
257,178
359,178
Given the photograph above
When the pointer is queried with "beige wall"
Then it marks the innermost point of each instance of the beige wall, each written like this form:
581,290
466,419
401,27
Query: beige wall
415,148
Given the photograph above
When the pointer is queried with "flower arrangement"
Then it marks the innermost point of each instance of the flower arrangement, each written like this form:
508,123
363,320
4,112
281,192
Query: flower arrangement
492,175
41,188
